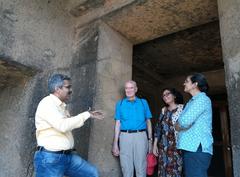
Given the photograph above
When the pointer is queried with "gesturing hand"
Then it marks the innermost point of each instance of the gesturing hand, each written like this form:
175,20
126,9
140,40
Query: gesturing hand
98,114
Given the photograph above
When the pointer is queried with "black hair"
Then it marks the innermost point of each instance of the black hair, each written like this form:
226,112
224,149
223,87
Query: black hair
201,81
178,96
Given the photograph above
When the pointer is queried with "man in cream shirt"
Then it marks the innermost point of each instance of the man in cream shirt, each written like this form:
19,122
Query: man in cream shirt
54,125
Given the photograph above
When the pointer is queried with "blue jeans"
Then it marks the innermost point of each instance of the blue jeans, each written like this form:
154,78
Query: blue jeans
196,163
49,164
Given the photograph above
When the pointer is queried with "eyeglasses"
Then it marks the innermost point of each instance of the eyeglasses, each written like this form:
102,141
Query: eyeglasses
187,81
68,86
166,94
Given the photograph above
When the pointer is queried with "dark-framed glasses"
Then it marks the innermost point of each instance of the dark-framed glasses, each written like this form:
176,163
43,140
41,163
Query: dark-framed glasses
166,94
68,86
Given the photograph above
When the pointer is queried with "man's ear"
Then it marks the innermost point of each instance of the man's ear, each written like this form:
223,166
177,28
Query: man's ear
57,89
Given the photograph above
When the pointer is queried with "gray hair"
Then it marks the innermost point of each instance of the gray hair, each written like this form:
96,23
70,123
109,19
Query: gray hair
56,81
132,82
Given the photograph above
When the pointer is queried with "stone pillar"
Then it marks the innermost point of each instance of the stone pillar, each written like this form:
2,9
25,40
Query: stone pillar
229,16
113,67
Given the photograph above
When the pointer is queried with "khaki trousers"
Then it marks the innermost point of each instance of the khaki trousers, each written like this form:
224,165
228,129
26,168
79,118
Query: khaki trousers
133,152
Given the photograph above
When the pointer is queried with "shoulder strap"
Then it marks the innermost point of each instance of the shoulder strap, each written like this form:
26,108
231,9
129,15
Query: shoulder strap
143,105
121,102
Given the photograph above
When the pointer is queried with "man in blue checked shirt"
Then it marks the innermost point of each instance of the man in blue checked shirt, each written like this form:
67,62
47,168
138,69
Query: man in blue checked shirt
133,132
195,128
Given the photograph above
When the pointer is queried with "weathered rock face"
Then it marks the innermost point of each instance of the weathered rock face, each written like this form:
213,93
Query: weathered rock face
36,41
160,18
16,117
143,20
82,8
114,67
13,74
91,40
83,72
229,25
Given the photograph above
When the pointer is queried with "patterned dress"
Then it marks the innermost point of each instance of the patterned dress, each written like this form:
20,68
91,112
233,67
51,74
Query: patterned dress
170,159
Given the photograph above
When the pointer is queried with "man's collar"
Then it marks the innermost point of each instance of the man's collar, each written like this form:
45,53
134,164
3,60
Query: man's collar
135,99
57,100
199,94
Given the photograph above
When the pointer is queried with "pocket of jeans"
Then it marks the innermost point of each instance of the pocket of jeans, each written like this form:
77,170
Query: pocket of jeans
51,158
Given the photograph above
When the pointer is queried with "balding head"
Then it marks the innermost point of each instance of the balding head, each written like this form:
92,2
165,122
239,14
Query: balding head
131,89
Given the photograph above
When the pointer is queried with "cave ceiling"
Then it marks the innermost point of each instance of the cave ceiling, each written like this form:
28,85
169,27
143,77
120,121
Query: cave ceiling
170,37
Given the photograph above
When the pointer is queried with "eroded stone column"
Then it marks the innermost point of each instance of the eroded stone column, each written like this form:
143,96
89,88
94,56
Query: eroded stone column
229,16
114,67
